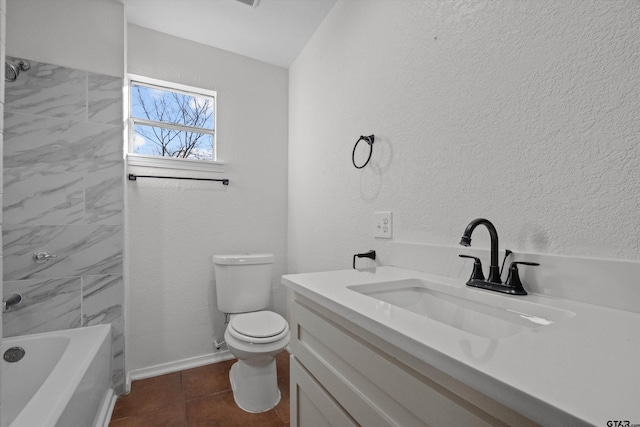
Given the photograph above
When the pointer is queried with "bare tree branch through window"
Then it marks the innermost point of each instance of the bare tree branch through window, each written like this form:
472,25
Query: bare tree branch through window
172,124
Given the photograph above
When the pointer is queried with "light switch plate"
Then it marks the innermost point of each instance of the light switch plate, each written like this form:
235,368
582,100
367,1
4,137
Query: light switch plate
382,225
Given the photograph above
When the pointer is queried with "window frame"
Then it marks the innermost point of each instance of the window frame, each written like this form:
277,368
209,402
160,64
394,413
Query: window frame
151,161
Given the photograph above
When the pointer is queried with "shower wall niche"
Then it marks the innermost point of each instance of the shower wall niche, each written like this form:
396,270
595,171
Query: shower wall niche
63,193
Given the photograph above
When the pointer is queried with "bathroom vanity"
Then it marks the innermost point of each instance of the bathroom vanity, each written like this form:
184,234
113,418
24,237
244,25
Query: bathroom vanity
342,375
391,346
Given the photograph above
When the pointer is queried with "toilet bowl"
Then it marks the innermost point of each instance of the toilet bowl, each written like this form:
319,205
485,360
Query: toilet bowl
255,339
254,335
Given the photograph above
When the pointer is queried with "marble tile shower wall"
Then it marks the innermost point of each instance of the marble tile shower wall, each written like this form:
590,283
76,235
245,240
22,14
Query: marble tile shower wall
3,34
63,193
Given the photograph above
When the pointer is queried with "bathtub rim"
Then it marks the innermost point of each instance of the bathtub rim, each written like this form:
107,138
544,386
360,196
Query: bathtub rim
60,385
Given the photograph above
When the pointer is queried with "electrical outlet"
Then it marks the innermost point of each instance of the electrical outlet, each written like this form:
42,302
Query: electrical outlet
382,225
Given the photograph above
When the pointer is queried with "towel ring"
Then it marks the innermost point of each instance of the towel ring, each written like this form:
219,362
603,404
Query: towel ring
369,140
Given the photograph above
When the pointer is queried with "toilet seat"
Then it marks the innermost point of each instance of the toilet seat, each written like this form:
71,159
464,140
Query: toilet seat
258,327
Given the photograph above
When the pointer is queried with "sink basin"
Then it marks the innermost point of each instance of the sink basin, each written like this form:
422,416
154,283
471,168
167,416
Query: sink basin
476,312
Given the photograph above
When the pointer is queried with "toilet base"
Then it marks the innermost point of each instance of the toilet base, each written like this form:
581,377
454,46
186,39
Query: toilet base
255,386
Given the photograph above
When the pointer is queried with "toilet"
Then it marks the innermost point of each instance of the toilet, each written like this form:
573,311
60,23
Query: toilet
254,335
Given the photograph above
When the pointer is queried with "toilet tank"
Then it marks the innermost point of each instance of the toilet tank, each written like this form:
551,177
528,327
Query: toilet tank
243,282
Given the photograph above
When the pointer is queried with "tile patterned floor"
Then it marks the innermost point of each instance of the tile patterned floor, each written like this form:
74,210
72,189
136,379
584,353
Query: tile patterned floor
198,397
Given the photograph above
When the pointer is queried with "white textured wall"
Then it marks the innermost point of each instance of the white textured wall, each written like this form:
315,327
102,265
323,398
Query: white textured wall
523,112
91,37
174,227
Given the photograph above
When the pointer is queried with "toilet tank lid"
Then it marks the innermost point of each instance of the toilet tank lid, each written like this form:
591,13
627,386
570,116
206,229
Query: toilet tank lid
243,259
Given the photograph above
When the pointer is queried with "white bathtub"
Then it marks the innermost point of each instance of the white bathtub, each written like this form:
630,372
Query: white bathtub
63,380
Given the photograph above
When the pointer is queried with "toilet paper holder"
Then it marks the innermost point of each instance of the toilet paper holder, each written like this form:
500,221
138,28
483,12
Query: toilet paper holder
371,254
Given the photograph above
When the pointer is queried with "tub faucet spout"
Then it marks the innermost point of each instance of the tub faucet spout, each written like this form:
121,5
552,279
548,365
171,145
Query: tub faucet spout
12,300
494,270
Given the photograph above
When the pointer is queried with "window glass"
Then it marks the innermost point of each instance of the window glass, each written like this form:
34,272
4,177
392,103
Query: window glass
166,142
167,122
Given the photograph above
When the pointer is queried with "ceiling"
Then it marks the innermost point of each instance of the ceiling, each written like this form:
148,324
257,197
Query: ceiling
274,32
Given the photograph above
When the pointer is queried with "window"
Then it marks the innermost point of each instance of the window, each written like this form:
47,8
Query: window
171,121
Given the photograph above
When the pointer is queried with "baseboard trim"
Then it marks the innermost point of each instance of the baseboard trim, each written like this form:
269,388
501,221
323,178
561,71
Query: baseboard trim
179,365
103,418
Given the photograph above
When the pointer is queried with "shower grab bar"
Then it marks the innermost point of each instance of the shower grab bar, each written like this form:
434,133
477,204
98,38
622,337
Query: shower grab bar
133,177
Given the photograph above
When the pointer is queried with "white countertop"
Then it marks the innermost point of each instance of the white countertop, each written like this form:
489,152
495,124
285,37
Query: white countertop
584,370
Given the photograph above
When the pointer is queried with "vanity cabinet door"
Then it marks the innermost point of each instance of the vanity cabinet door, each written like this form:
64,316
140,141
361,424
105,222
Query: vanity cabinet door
375,388
311,406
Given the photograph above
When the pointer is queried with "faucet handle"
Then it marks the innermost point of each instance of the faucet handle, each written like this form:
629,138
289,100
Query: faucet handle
524,263
513,279
43,256
476,274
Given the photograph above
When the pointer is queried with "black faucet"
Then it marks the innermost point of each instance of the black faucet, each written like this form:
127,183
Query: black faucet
494,270
494,282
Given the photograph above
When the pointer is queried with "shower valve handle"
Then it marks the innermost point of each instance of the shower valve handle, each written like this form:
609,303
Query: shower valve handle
43,256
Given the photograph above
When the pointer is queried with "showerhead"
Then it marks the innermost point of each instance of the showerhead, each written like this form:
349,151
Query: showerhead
11,71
